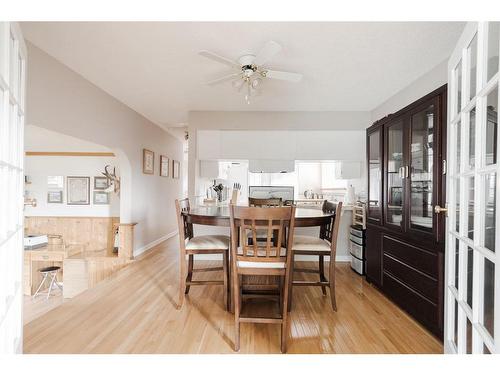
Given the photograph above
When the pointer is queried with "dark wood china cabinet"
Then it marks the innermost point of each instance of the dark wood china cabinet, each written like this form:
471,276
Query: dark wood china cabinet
406,180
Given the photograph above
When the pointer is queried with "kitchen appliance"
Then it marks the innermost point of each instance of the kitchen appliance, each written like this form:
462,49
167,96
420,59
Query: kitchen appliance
286,193
35,241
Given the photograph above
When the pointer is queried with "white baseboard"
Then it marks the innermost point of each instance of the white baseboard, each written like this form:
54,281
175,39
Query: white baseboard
152,244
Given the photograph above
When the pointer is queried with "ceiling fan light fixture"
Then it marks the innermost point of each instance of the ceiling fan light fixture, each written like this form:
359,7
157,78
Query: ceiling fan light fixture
256,83
251,70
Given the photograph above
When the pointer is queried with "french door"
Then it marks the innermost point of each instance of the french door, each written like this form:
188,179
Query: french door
472,271
12,93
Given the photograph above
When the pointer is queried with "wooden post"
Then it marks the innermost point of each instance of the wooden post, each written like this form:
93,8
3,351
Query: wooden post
126,246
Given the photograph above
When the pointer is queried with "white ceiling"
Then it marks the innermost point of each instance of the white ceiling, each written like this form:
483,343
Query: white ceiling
154,67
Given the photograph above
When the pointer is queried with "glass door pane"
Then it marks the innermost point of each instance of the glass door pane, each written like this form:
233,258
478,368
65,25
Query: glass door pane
374,176
422,167
395,171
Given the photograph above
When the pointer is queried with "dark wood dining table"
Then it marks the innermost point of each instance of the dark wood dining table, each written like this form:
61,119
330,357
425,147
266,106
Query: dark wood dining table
219,216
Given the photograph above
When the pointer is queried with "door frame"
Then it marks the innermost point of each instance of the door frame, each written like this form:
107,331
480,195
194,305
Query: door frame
458,132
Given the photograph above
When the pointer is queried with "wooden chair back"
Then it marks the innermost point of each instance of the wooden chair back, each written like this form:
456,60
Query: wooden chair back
265,202
182,208
271,219
330,231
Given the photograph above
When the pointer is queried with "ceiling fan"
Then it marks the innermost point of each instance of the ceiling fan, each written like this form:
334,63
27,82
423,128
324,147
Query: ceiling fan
251,69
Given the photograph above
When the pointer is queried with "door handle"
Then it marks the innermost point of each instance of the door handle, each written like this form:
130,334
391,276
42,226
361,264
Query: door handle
438,209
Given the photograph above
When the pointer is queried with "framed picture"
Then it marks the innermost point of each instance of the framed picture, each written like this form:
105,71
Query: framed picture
101,197
176,169
55,183
148,162
101,183
164,165
78,190
55,196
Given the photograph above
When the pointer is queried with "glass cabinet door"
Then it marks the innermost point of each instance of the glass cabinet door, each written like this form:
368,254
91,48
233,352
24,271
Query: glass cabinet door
421,162
374,176
394,173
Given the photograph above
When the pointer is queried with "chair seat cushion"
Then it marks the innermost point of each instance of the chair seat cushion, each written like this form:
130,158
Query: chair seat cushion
211,242
246,264
49,269
305,243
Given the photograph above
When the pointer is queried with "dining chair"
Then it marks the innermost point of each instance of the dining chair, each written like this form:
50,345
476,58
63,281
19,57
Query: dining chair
324,245
261,259
191,245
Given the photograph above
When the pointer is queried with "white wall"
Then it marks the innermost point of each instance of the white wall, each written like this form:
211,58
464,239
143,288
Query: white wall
60,100
427,83
39,167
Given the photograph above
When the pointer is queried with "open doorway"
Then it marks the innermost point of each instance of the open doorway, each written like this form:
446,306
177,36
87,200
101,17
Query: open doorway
70,218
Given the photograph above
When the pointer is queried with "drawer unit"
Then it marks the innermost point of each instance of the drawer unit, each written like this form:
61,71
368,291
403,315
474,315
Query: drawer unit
357,250
358,265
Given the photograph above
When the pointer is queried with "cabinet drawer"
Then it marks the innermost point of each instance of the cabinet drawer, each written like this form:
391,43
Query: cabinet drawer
356,250
420,282
420,259
358,265
358,240
357,233
421,308
50,256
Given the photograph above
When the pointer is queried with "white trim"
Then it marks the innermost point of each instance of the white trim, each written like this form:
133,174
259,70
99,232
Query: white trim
152,244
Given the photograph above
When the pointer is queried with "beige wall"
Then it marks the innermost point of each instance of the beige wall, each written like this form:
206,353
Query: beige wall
59,99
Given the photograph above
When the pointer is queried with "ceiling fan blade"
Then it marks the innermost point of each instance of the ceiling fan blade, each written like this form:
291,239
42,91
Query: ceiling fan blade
284,76
218,58
269,50
222,79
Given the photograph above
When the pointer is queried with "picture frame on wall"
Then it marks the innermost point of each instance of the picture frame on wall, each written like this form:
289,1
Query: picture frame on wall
101,183
78,190
55,196
164,166
101,197
176,169
148,161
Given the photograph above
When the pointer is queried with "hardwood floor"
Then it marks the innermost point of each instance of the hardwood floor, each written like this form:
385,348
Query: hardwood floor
34,308
135,311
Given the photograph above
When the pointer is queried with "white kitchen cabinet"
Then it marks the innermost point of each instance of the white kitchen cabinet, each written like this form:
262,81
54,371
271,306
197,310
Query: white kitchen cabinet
348,170
209,168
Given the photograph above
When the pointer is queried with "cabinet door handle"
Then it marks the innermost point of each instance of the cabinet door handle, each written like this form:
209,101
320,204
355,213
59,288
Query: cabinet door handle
438,209
407,171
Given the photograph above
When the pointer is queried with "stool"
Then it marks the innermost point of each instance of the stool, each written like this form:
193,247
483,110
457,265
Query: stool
49,272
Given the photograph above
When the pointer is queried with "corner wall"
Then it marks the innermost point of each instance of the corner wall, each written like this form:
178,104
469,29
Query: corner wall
61,100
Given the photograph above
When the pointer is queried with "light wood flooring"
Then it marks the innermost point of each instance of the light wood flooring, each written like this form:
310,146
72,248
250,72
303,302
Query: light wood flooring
135,311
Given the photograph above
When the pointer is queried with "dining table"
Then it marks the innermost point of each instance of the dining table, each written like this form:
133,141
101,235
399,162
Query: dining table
218,215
